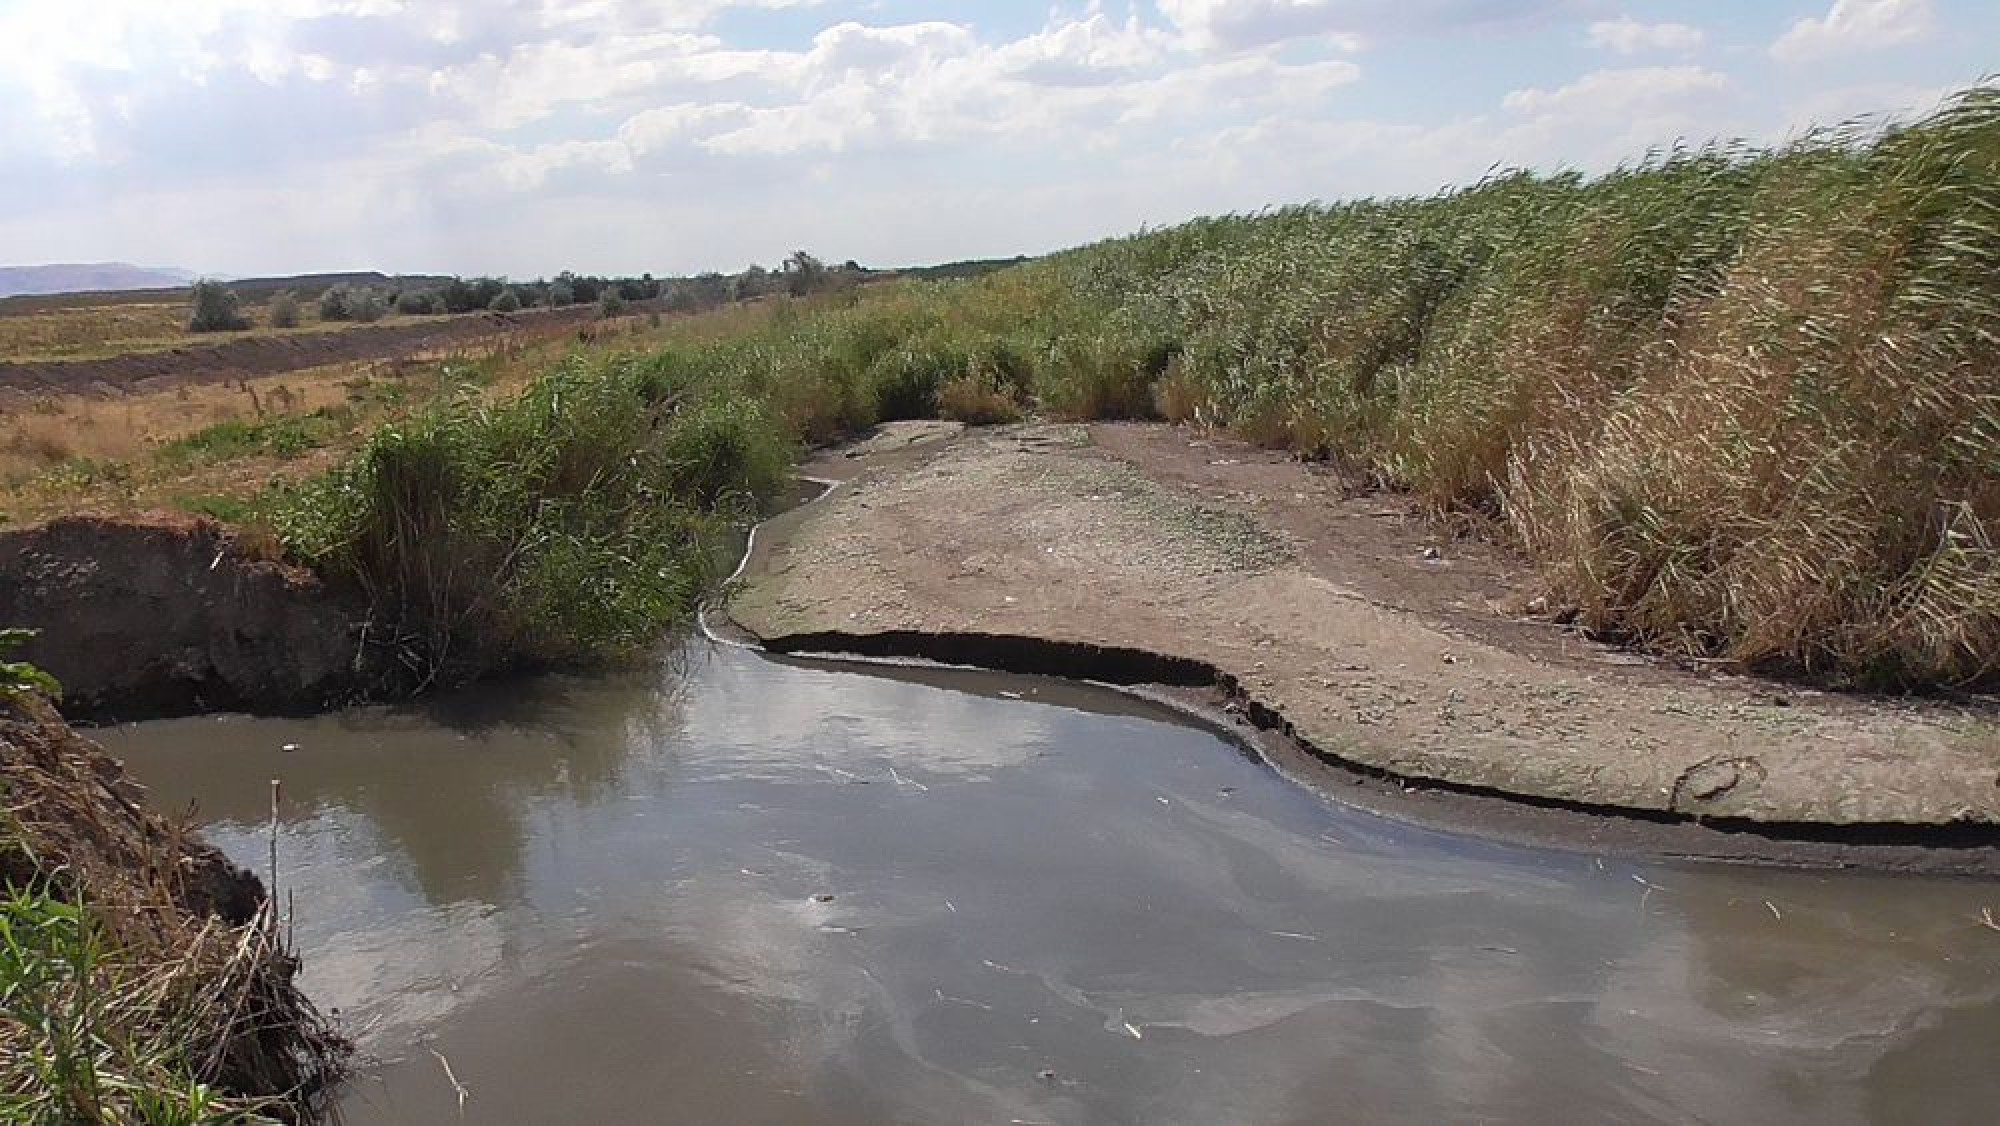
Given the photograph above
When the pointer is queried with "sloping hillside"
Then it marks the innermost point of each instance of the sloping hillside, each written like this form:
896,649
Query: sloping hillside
83,277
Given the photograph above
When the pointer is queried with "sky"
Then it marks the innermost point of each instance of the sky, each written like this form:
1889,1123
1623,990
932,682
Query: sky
524,137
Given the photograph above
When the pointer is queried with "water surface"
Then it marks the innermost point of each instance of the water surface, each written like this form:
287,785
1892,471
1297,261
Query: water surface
740,890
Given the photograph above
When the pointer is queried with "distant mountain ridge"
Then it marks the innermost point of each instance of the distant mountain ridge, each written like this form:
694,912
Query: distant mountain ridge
85,277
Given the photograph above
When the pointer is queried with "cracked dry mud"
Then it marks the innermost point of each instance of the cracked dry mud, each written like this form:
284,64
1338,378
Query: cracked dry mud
1345,612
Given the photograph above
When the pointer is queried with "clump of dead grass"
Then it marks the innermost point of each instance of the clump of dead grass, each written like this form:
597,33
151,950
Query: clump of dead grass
145,979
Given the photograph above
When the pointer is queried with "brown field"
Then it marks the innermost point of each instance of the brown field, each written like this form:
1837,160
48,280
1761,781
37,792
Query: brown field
111,449
99,331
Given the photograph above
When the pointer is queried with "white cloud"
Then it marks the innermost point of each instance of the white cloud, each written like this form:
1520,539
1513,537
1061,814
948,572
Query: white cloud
602,134
1234,24
1628,36
1615,92
1853,26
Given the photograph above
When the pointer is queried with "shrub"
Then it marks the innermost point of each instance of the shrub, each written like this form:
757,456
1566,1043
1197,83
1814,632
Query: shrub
610,302
365,305
285,310
216,308
417,302
506,301
573,525
336,303
977,401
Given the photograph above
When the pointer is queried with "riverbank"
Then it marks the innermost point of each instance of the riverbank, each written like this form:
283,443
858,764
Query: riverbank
146,977
1339,616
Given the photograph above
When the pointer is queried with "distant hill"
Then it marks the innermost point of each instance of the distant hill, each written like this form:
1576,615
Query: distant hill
174,287
87,277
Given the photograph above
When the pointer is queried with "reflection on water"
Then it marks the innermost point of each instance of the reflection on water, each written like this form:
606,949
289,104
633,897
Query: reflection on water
752,891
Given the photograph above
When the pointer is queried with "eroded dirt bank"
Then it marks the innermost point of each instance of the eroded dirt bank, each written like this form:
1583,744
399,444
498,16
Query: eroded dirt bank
191,964
1345,618
171,615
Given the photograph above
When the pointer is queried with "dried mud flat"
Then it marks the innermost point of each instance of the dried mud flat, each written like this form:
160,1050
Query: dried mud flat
1343,620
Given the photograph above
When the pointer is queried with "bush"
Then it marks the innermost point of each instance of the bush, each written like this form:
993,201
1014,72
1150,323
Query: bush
417,302
365,306
977,401
571,526
285,310
506,301
610,302
216,309
336,303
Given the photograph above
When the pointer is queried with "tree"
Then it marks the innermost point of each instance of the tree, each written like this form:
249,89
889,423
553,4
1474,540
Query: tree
505,301
458,296
285,310
216,308
754,281
803,274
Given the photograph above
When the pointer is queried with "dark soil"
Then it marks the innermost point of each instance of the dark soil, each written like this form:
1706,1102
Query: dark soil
172,615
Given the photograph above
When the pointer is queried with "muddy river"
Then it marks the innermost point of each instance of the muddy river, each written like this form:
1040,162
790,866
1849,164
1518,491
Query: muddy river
738,890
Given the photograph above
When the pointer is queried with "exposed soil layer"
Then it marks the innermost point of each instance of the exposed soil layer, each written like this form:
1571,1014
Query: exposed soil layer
1340,617
251,356
170,615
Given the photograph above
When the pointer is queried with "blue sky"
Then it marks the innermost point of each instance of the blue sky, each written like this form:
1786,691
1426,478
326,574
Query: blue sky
530,136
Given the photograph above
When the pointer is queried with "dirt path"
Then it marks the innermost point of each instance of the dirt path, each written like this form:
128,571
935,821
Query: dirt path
1378,643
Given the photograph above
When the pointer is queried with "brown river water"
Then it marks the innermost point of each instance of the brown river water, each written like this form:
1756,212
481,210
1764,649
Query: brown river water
738,890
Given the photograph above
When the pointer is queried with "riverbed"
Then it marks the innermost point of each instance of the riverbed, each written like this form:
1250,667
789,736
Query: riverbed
738,889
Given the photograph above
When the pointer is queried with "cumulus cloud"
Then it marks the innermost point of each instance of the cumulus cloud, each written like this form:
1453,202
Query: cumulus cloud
1232,25
1620,91
1853,26
1210,24
1628,36
670,134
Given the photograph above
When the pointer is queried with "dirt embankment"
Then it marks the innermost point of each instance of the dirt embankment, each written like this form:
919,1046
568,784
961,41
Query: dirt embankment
171,615
88,827
1340,616
190,949
248,357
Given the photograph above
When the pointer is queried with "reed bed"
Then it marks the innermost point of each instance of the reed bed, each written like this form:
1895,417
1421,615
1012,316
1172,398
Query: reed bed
1736,403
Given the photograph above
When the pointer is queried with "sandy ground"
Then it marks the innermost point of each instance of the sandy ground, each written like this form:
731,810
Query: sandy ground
1383,642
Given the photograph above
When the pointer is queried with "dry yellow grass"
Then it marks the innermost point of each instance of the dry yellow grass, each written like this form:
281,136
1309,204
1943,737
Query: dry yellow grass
70,453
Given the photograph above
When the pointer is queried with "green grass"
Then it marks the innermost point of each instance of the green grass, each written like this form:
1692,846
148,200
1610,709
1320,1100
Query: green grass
576,524
84,1033
284,436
